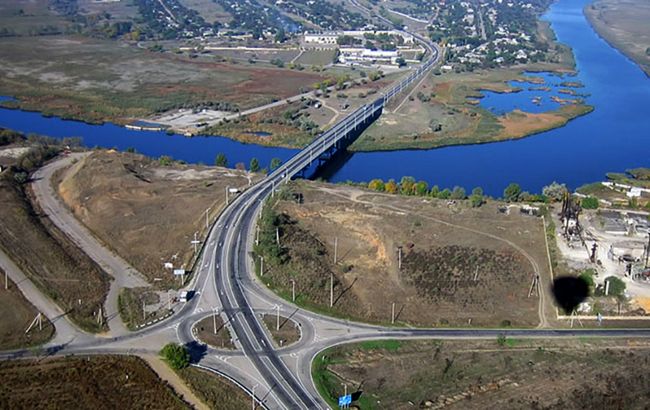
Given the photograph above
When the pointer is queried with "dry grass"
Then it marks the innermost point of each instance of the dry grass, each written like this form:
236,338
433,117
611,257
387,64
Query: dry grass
17,314
144,211
215,391
485,374
484,279
99,382
49,259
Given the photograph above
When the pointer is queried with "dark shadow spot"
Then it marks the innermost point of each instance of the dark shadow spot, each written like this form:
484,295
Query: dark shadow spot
569,292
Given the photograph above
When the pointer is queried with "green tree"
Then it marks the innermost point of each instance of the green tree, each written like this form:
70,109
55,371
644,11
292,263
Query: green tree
588,277
421,188
458,193
175,355
435,190
616,286
512,192
275,163
444,194
589,202
165,160
221,160
254,165
476,199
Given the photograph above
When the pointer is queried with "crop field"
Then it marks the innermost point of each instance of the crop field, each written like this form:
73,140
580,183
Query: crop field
17,314
49,259
460,265
97,80
503,373
101,382
124,199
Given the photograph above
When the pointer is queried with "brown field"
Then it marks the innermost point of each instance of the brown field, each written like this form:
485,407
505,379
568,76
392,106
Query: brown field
461,265
100,382
215,391
17,314
48,258
518,123
146,212
511,373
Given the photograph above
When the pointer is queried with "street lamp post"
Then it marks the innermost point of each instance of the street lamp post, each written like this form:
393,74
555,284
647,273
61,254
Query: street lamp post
253,397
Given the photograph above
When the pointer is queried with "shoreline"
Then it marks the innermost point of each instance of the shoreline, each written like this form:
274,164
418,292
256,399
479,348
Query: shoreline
479,142
592,21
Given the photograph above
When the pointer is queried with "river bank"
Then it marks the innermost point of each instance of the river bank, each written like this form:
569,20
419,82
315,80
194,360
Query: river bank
624,26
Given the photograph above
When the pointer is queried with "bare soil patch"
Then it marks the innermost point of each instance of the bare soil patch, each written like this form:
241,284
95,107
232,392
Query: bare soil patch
204,331
460,265
148,213
570,374
286,335
84,382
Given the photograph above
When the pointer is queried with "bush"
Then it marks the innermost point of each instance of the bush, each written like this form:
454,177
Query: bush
512,193
176,356
589,202
616,286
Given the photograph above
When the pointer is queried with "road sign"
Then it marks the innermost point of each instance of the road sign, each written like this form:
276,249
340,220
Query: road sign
179,272
345,401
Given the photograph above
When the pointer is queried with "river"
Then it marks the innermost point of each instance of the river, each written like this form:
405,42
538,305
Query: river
615,137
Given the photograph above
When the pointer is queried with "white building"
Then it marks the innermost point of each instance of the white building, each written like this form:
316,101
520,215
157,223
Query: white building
363,55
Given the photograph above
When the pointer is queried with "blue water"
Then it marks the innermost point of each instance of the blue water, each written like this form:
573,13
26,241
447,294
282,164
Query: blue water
615,137
155,144
501,103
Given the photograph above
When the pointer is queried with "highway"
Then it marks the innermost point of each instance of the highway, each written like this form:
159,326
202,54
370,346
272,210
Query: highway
225,281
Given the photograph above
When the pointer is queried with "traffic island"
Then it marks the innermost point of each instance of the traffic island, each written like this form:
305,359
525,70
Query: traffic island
284,331
212,331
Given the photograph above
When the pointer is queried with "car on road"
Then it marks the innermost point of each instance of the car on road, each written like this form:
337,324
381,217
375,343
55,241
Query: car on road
185,295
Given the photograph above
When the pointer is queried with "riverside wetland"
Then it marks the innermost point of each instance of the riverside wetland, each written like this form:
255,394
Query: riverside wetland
612,137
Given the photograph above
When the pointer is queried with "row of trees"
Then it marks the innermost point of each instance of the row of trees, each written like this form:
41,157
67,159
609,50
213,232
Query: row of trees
409,186
254,166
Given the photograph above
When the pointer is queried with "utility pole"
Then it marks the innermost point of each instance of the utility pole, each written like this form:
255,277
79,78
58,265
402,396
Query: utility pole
7,279
392,314
277,318
647,251
207,222
331,289
293,290
261,265
336,248
214,319
399,257
277,235
253,396
257,235
144,313
227,191
195,242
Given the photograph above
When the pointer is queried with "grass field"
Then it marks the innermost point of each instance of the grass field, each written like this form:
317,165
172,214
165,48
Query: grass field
100,382
49,259
17,314
216,392
413,123
505,373
624,24
96,80
287,334
460,266
124,199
